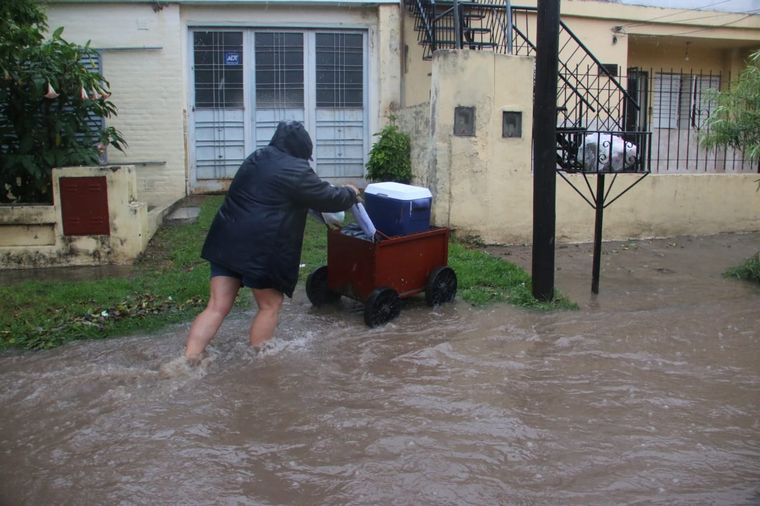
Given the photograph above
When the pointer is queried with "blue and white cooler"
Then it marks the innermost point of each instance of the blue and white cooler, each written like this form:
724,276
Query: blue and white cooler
398,209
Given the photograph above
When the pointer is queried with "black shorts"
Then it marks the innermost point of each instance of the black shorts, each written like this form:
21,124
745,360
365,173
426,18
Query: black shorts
248,281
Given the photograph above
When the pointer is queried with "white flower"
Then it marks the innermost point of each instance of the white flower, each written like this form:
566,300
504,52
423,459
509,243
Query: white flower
51,93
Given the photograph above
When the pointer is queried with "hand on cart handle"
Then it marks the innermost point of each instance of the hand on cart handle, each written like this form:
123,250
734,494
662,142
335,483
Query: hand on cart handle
353,189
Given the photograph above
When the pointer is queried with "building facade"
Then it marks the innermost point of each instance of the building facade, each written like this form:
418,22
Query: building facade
201,83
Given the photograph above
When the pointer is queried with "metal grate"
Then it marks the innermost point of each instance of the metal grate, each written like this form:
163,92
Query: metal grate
681,105
219,129
340,134
94,123
340,72
218,66
279,70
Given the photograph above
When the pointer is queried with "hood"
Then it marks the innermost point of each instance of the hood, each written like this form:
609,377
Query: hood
292,137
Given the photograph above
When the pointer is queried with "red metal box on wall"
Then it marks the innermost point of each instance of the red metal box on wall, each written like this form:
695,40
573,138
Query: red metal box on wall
84,206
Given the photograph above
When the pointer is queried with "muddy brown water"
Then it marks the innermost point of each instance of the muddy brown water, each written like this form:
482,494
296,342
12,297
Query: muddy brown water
648,394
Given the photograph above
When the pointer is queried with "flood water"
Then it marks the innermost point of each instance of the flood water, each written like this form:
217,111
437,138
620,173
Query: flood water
648,394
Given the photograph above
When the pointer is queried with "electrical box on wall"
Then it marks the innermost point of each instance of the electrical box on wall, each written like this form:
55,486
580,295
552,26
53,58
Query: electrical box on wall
84,206
464,121
511,124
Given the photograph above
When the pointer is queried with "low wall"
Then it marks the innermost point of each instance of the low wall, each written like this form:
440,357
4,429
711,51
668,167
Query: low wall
659,206
483,186
95,219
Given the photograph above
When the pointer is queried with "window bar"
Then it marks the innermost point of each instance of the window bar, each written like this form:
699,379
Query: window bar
691,111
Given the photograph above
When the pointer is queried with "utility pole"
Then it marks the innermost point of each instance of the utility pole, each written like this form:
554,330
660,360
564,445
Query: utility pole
545,149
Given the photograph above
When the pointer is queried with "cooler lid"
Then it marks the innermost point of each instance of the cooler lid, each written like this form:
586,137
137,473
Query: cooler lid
398,191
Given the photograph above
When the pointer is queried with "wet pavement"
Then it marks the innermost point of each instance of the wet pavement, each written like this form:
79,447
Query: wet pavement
648,394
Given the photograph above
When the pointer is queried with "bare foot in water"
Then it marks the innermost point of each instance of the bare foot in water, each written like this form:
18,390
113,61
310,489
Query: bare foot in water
261,348
195,360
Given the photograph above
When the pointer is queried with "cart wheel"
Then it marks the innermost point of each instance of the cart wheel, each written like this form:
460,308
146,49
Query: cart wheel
316,288
441,286
382,306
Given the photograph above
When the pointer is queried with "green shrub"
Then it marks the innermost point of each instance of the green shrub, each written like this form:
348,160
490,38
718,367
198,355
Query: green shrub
390,156
735,121
749,270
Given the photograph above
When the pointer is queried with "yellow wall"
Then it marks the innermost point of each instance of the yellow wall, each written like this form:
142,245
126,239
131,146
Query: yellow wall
471,177
627,35
415,86
32,235
483,186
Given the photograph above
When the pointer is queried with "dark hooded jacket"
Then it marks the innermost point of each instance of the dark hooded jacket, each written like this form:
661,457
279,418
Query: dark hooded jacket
258,230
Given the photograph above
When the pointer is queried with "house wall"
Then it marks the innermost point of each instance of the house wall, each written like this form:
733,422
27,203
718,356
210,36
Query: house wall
472,178
483,186
382,23
655,54
142,58
627,35
416,74
390,65
146,58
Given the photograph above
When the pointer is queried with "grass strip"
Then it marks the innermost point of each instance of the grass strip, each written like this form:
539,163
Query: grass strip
169,284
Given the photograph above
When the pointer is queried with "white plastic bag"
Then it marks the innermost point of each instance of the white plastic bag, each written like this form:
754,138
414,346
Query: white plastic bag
602,151
332,220
362,218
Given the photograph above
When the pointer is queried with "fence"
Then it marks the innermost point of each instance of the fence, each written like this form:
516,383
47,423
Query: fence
674,106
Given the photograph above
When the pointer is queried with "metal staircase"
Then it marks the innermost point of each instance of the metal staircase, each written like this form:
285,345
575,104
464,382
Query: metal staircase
590,99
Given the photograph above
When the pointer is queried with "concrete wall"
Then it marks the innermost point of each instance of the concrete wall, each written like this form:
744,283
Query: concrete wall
483,185
33,235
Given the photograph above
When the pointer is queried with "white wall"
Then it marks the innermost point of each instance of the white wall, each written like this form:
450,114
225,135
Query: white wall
142,59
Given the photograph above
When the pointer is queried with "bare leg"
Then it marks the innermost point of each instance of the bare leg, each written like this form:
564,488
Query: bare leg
223,290
269,301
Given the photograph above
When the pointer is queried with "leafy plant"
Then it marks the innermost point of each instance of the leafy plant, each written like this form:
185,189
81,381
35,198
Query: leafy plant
736,119
749,270
48,98
390,156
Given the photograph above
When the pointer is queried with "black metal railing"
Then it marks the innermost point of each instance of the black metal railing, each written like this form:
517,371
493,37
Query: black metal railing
589,96
676,105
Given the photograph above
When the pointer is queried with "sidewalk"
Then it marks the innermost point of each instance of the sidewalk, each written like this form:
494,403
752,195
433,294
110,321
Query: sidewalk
647,273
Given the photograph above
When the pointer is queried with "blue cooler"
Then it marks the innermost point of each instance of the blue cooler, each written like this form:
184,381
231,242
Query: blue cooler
398,209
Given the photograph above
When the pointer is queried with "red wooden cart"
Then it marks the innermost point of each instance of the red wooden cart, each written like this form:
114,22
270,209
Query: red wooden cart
380,274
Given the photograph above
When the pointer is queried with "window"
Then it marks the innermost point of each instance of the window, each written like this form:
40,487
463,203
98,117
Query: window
218,69
681,100
340,79
279,70
95,123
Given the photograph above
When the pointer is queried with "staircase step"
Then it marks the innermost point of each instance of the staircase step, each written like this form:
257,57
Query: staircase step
466,43
576,89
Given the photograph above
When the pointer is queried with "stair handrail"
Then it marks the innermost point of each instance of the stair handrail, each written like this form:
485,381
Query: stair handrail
580,90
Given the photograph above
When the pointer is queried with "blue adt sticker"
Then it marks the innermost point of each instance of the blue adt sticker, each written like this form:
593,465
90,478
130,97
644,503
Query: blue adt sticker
232,58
